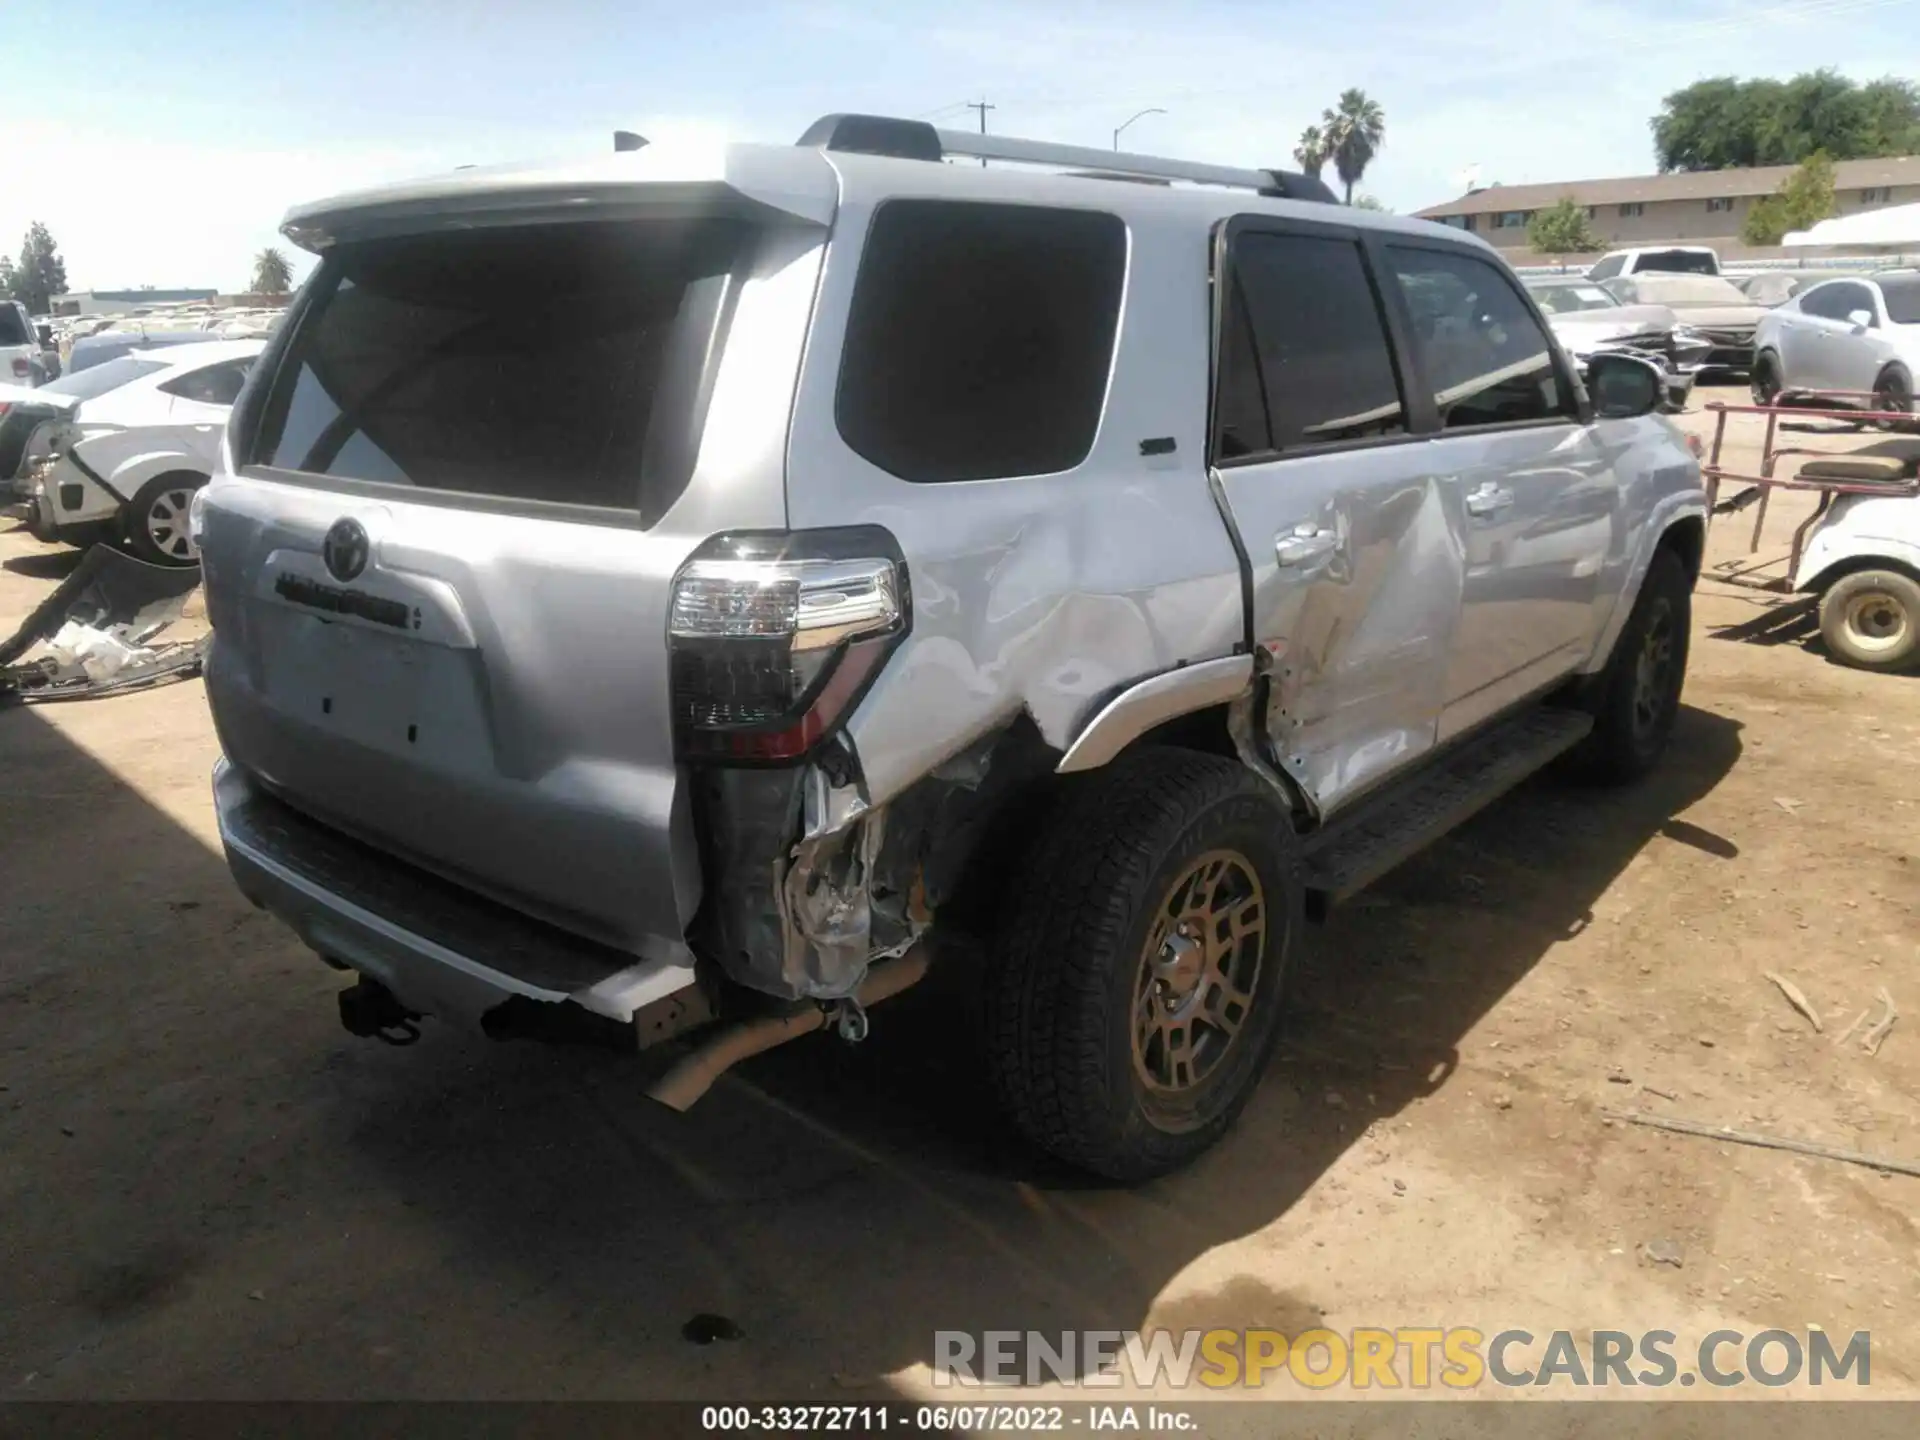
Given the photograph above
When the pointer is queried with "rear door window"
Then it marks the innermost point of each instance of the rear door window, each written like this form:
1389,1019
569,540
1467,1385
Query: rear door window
1318,344
14,329
540,363
213,385
980,338
1487,358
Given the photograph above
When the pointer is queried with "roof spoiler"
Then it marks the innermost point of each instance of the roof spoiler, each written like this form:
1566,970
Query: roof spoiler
917,140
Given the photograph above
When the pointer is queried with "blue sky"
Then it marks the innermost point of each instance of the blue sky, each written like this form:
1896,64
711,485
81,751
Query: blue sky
162,142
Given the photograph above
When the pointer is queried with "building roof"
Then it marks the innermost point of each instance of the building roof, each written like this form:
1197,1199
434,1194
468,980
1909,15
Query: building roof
1680,185
140,297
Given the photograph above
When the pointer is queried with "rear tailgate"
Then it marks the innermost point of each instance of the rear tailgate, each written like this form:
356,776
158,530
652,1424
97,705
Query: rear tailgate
439,580
495,707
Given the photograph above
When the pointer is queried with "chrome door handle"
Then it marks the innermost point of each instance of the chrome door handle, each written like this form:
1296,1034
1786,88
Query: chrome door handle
1304,545
1489,500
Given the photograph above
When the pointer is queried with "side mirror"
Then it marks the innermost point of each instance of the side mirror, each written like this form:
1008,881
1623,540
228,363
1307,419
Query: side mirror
1860,319
1623,386
45,333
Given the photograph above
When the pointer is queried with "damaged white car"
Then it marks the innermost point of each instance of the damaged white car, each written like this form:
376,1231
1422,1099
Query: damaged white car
119,458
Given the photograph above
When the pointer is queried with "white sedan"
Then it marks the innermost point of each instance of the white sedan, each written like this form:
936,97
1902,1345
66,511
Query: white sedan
123,464
1851,337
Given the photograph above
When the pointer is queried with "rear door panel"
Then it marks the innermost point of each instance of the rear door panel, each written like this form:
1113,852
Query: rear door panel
1349,521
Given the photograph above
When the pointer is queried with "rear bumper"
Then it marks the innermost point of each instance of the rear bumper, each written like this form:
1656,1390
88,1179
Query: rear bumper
443,951
63,499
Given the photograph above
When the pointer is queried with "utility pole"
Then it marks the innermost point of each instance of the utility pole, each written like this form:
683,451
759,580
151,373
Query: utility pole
982,106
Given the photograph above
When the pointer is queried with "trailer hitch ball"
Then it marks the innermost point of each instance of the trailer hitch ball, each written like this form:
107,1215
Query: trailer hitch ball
370,1010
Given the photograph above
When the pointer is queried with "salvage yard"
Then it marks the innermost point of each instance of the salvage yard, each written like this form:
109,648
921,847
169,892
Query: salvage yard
212,1191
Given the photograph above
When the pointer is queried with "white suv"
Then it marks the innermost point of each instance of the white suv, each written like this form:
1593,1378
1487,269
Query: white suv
868,559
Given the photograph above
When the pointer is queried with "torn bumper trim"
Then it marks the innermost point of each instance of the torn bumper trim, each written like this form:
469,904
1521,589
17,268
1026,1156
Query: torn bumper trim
441,951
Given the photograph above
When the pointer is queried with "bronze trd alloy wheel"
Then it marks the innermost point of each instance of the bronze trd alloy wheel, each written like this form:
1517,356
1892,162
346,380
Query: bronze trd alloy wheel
1198,972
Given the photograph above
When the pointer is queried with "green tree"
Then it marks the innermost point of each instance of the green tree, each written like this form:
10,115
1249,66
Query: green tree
1725,122
271,273
1311,153
1562,229
1354,131
1805,198
8,279
41,274
1369,202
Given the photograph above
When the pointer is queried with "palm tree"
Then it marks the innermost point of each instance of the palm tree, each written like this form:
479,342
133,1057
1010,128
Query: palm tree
1311,153
271,273
1354,131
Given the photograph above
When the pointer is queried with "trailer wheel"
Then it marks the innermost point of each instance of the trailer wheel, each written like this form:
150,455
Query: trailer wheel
1135,990
1871,620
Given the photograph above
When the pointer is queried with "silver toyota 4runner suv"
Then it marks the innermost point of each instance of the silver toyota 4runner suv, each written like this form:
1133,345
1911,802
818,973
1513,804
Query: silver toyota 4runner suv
671,598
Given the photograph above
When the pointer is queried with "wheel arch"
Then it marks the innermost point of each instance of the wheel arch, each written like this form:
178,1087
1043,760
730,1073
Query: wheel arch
1820,583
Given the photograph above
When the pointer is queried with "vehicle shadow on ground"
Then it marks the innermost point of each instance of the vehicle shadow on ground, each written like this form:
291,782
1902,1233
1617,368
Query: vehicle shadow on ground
466,1219
1787,620
53,565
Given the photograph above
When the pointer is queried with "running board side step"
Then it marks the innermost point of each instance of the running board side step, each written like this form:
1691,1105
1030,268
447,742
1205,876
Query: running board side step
1356,849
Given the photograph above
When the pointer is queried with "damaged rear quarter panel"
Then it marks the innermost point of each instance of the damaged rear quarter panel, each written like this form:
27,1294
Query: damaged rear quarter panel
1039,594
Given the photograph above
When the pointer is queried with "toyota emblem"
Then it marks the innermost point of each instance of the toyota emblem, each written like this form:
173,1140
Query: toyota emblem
345,549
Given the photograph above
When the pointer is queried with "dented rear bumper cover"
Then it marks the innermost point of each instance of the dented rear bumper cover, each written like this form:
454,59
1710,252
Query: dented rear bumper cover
443,950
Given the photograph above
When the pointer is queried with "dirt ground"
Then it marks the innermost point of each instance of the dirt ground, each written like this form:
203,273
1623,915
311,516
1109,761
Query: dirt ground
210,1190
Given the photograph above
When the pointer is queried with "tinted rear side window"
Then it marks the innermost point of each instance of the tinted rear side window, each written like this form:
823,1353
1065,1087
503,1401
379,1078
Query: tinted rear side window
521,363
1320,341
14,329
980,338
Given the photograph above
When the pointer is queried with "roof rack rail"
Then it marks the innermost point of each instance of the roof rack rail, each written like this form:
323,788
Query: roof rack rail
917,140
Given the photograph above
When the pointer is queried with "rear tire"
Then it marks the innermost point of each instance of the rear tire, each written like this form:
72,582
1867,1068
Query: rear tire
1134,994
1638,696
1871,620
155,523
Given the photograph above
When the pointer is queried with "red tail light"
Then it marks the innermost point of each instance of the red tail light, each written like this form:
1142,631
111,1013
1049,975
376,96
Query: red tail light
21,369
774,638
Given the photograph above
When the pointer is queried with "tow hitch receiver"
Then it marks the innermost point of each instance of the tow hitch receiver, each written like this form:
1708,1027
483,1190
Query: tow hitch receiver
372,1011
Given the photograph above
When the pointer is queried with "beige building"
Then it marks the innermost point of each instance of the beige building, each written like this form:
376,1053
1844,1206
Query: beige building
1701,207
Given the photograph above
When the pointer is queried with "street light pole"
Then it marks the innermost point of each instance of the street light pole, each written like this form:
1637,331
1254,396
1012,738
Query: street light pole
1156,110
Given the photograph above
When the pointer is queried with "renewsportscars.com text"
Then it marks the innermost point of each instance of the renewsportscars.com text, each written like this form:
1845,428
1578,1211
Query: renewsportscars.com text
1406,1357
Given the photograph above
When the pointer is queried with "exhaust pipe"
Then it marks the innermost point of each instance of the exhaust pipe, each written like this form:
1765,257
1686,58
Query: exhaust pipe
687,1081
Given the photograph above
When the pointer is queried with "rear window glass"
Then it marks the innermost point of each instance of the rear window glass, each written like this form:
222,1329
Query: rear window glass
520,363
86,384
980,338
1678,262
1903,300
14,329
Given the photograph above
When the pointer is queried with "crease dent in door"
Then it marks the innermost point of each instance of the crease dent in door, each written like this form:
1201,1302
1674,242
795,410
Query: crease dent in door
1341,711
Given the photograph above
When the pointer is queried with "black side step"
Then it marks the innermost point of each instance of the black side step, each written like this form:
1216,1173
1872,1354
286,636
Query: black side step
1356,849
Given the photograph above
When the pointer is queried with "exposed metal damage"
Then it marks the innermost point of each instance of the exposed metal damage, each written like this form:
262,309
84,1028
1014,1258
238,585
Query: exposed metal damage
813,888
